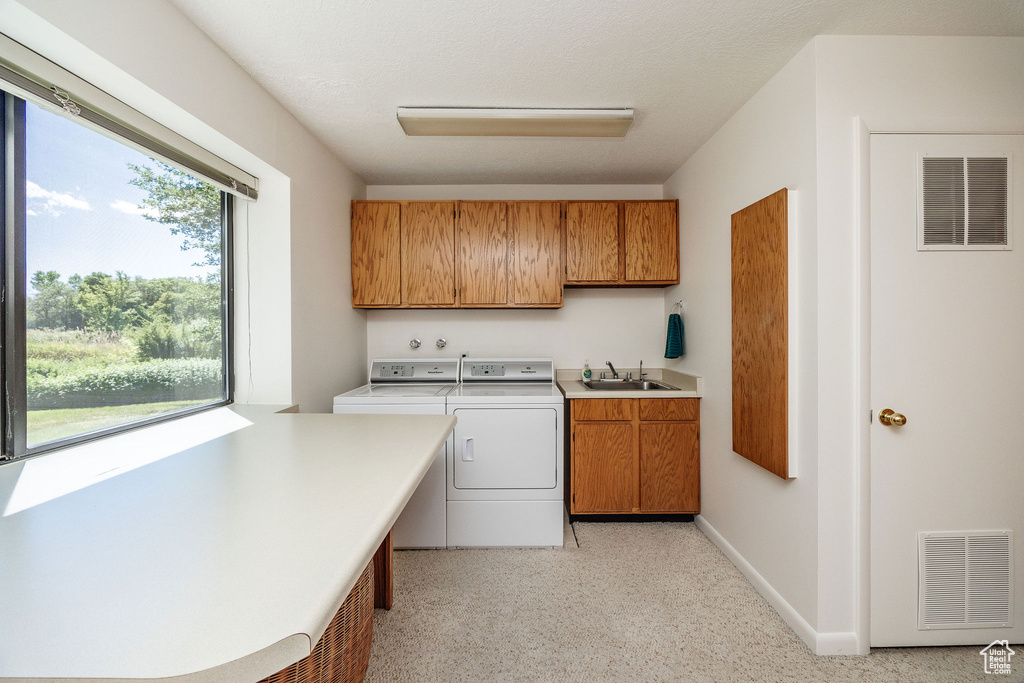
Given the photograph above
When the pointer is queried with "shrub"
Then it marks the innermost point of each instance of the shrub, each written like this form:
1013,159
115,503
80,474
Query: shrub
127,383
160,338
78,346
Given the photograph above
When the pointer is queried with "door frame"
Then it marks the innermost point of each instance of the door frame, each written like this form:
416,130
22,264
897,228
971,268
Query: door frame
861,138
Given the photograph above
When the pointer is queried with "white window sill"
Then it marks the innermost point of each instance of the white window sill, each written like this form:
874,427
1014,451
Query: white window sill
61,472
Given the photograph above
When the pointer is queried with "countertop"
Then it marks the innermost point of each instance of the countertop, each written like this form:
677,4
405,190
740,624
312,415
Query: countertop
223,562
690,386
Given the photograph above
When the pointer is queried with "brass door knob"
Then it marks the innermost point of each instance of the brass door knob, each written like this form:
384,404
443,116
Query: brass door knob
891,418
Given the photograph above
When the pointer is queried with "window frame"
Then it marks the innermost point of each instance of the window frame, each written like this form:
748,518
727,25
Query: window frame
13,298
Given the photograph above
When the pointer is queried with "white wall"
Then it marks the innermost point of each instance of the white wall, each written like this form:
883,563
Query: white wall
894,84
620,325
769,144
149,55
804,543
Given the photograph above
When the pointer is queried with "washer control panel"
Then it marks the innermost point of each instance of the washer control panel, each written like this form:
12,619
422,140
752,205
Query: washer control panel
419,370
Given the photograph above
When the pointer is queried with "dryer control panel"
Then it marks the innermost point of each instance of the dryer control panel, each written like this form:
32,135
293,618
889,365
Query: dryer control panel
508,370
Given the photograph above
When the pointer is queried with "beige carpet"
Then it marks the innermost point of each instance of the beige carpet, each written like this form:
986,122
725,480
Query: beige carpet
635,602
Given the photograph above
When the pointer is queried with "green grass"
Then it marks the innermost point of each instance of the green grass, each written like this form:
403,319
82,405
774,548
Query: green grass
46,425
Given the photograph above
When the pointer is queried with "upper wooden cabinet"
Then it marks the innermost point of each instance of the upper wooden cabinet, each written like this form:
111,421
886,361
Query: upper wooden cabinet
651,236
376,258
622,243
535,245
516,254
483,253
592,243
428,253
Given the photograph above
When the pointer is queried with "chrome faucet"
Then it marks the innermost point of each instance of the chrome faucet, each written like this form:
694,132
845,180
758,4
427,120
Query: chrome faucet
615,375
642,373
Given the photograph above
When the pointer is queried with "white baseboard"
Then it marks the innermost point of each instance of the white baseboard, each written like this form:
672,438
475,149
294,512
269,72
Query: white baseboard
837,643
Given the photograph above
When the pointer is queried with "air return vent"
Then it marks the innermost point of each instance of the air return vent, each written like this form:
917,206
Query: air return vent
965,203
965,580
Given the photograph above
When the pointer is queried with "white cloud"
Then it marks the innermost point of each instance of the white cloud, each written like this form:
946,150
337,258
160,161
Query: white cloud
31,212
51,201
134,209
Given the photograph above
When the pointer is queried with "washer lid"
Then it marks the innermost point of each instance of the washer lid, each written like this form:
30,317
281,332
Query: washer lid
395,393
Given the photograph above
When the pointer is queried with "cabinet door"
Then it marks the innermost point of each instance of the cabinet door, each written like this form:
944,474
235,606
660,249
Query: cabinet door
535,229
428,253
592,242
651,231
376,255
483,253
669,467
604,461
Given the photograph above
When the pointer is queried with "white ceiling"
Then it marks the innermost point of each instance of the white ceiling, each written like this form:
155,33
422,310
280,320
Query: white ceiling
343,66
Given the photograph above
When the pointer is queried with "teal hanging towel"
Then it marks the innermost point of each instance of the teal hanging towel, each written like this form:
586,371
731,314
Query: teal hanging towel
675,345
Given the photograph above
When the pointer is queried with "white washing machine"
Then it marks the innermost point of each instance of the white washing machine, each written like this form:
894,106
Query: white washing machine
505,455
411,387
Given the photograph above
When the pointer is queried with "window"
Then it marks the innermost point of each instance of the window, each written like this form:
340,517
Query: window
116,262
120,270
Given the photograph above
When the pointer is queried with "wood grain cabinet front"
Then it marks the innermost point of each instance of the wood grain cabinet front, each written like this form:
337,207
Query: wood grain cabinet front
634,456
630,243
514,254
376,254
428,254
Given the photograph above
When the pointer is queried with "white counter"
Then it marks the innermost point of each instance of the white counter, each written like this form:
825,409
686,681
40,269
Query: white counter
224,562
689,386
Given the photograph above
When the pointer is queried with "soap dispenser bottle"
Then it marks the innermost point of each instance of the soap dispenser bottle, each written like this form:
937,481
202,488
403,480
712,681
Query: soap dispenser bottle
587,373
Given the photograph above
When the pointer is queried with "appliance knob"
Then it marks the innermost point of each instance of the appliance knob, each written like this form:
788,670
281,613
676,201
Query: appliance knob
415,343
441,343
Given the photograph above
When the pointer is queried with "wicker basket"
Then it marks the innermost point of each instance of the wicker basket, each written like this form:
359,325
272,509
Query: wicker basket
343,652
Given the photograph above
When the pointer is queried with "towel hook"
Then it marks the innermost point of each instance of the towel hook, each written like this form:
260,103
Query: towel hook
677,305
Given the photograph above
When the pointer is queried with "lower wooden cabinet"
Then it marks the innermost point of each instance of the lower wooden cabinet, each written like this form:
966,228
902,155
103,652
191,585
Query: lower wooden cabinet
634,456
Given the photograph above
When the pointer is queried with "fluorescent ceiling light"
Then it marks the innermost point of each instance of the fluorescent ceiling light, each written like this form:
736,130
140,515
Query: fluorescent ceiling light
588,123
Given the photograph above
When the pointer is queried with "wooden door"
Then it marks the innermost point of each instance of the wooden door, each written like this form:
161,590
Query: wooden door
535,231
651,235
604,461
428,253
592,242
669,467
483,253
376,254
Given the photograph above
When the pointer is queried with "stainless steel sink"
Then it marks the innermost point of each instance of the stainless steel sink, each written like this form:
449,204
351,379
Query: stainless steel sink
623,385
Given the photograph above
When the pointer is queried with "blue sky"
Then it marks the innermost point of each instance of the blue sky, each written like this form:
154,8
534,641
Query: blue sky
82,213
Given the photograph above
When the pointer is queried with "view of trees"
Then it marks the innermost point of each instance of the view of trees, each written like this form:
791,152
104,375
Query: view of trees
165,317
100,339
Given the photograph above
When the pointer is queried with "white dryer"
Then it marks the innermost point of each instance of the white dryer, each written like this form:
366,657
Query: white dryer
505,458
411,387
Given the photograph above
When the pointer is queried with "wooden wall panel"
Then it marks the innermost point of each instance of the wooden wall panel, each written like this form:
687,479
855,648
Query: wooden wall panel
483,253
592,242
376,254
428,253
605,467
535,230
670,467
651,231
760,333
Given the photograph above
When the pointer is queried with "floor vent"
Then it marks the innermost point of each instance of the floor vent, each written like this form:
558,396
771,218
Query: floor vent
965,580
